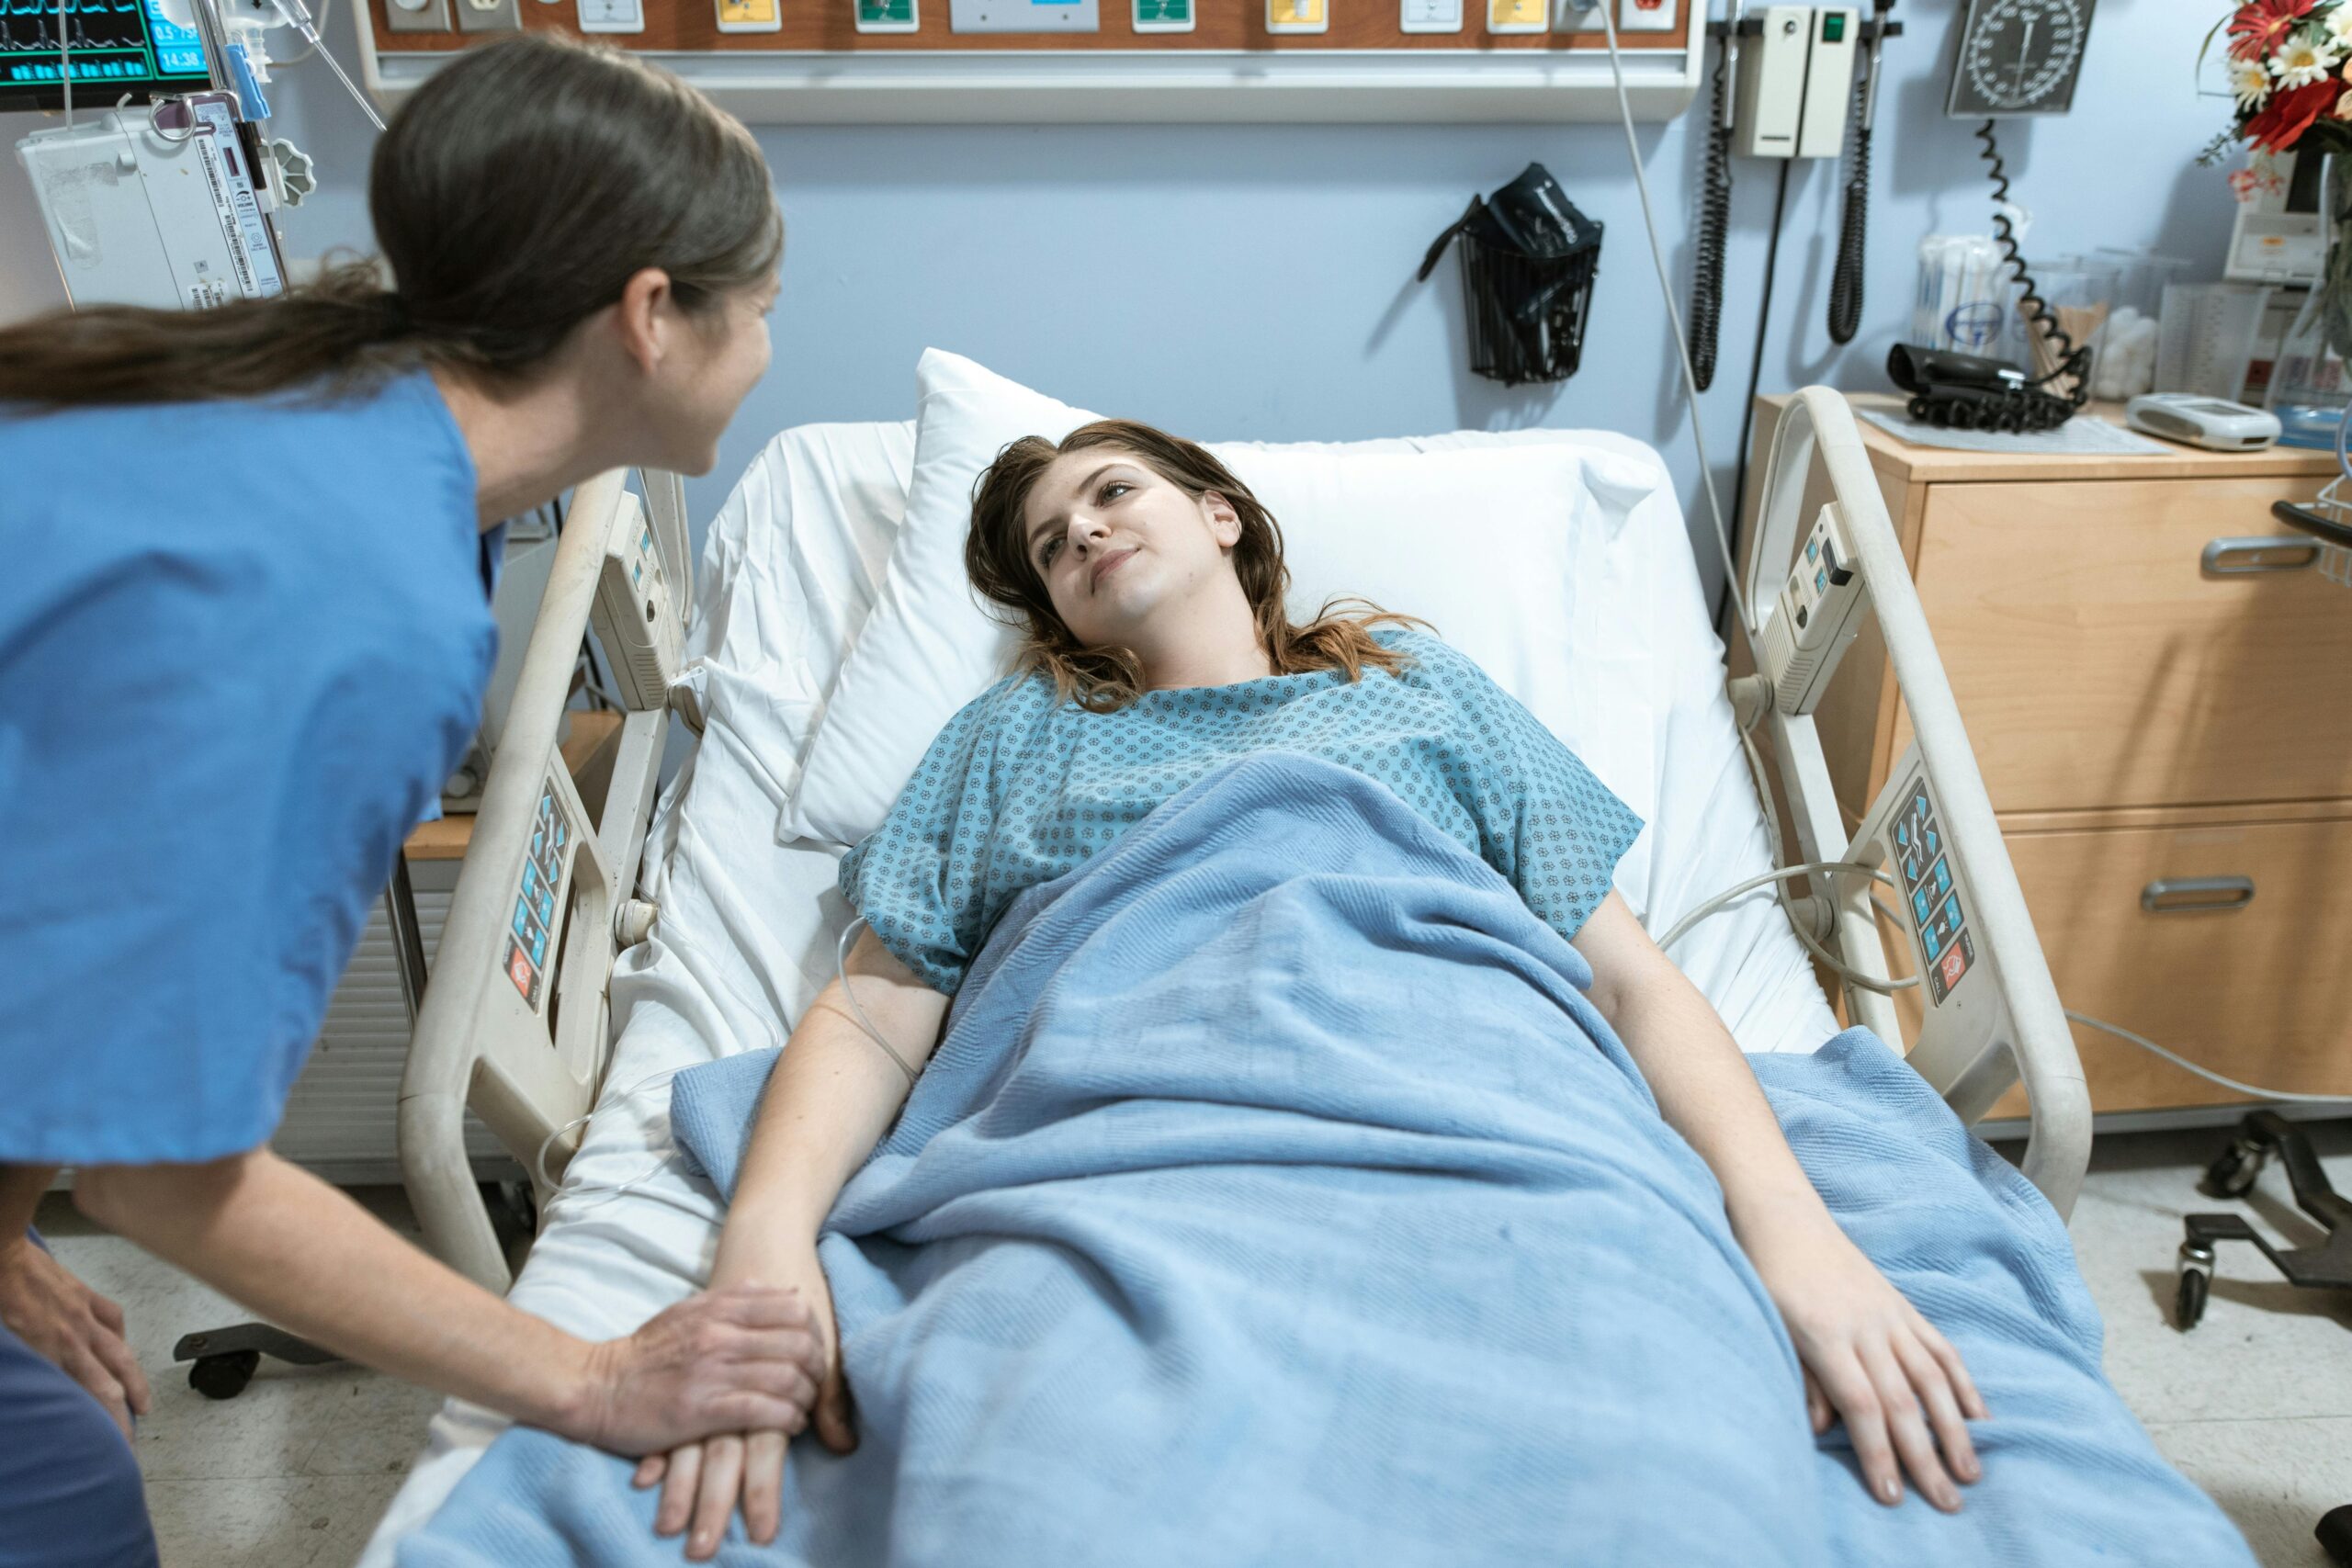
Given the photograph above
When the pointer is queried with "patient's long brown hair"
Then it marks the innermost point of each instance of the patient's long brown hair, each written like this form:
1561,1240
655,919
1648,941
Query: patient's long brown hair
1106,679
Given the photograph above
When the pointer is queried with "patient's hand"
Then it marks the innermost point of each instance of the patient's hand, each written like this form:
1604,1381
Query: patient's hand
702,1483
1870,1357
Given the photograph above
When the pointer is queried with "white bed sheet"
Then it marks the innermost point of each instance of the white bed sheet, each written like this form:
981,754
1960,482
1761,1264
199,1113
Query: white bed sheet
748,925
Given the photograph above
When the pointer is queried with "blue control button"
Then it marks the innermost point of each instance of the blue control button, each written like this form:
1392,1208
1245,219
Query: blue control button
1934,842
538,947
546,904
1821,582
1910,871
522,919
530,879
1919,904
1812,550
538,842
1933,941
1943,878
1902,834
559,832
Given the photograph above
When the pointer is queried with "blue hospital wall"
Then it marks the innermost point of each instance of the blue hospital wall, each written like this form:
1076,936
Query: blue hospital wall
1257,281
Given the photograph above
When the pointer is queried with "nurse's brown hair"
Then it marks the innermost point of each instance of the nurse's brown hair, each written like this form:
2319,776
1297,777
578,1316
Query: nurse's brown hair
1106,678
515,194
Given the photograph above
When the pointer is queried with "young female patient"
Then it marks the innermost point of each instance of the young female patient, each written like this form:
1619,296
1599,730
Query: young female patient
1151,583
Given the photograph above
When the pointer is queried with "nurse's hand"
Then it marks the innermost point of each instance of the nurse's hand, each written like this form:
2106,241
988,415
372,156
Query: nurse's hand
702,1483
737,1358
72,1325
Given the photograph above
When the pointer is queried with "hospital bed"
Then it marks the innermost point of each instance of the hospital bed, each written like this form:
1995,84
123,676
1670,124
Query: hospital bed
728,934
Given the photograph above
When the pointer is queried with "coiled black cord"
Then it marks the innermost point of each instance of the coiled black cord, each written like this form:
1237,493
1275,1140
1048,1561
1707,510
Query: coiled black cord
1846,277
2071,360
1714,229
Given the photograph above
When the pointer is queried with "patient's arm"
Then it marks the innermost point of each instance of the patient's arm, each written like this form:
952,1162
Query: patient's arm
832,1096
1897,1383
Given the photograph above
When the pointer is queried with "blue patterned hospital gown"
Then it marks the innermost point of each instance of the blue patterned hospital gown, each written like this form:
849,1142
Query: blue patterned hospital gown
1019,788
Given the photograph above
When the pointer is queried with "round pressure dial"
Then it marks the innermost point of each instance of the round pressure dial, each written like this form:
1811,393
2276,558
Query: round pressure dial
2019,57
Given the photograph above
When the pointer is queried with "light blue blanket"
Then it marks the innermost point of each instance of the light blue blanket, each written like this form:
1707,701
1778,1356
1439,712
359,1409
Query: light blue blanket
1278,1198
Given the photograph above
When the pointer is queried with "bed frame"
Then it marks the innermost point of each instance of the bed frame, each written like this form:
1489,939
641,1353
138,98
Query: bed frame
524,1042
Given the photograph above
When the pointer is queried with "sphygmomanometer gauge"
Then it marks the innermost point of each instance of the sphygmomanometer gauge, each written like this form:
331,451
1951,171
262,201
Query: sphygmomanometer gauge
2019,57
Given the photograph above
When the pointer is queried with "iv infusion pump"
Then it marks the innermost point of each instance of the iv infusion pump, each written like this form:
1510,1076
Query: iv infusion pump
168,202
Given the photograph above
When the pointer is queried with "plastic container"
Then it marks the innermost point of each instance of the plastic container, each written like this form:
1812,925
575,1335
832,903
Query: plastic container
1962,303
2124,358
2079,291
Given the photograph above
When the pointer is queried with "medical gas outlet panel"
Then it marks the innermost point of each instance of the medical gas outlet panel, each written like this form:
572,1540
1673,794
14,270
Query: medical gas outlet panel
1076,61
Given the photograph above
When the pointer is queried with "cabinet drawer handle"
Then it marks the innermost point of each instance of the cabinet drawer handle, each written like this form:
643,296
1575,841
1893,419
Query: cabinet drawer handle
2196,895
2244,557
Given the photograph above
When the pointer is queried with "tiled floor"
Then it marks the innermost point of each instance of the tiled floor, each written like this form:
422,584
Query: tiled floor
291,1473
2255,1405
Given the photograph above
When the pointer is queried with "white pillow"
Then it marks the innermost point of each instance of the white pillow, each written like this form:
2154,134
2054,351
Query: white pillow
1487,543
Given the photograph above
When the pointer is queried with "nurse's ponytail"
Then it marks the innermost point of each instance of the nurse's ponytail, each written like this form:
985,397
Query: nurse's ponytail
515,194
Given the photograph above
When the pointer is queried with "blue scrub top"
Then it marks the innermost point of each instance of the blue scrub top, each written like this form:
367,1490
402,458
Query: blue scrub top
241,646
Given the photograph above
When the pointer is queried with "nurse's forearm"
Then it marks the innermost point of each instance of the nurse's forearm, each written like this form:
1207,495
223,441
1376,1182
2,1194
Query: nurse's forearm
301,1254
831,1097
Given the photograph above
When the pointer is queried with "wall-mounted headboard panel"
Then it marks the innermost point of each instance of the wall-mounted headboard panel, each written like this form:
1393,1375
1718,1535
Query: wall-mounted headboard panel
787,61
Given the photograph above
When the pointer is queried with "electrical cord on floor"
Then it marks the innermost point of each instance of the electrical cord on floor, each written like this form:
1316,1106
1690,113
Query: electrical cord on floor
1756,364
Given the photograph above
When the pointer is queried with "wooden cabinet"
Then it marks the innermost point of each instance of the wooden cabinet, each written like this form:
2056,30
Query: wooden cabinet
2158,685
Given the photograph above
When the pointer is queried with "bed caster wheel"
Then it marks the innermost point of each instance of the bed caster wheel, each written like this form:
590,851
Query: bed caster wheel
223,1376
2335,1535
2196,1286
513,1210
2234,1175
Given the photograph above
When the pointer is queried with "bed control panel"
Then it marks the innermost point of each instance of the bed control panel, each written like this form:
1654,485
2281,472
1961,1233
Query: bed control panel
538,897
1939,920
1905,833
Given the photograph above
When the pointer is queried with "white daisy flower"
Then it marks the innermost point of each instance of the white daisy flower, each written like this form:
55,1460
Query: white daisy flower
2338,23
2304,61
2251,82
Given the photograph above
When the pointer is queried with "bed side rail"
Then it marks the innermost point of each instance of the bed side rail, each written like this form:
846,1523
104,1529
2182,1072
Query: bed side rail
514,1024
1991,1012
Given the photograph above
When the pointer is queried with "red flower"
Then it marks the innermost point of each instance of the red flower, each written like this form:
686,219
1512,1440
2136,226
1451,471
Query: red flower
2289,114
2261,26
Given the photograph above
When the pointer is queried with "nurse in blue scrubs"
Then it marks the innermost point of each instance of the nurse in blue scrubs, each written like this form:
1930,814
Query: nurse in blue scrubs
244,634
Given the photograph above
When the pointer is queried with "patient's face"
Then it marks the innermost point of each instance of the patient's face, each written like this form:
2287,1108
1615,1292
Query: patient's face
1123,552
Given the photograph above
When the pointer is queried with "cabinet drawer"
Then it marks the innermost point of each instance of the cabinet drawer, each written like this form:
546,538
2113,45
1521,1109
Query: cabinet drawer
2223,943
2098,662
